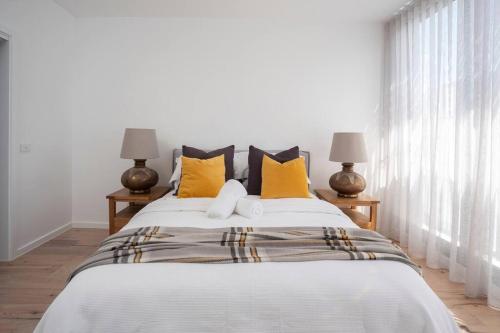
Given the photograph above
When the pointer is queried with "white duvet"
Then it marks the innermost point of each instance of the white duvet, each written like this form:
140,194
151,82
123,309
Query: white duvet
319,296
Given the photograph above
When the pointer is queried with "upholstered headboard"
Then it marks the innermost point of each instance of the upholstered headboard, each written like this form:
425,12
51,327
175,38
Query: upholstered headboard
305,154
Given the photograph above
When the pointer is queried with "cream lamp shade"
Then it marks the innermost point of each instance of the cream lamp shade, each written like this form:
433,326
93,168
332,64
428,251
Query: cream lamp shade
139,144
348,147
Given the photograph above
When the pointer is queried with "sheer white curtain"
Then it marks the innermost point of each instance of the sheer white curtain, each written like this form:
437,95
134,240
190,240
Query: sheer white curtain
441,139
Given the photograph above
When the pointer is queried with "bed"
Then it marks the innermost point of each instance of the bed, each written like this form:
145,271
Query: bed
312,296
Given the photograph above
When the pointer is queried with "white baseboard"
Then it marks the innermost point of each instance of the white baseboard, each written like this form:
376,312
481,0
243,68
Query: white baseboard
90,225
42,239
56,232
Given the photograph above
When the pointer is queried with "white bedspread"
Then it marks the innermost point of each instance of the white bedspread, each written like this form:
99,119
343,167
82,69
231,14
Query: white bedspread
321,296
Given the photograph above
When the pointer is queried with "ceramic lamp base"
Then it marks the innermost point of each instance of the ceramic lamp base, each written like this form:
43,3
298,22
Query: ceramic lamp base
139,179
347,183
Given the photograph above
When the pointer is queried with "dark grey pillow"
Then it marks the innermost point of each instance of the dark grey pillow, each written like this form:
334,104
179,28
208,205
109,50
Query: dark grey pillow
255,156
203,155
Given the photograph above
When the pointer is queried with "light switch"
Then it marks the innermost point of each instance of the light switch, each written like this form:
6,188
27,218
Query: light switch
25,147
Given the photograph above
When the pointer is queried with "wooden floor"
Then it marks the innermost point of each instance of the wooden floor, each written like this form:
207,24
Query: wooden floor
473,311
30,283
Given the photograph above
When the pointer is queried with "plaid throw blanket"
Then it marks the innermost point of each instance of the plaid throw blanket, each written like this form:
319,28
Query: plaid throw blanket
243,245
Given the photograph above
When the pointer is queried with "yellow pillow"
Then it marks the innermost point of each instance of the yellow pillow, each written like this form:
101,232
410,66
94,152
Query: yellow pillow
284,180
201,178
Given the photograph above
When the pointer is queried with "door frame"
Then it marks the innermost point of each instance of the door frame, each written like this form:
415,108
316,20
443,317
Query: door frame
6,33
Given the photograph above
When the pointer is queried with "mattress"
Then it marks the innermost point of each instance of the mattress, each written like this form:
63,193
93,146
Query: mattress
318,296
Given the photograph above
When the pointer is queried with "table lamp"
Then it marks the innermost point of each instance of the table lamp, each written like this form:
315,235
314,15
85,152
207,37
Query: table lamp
139,144
348,148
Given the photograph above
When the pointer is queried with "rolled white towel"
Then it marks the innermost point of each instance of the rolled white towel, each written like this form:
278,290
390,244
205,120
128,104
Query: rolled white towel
224,204
249,208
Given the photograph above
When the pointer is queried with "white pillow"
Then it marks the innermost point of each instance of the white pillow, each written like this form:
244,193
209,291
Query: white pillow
176,175
240,163
308,180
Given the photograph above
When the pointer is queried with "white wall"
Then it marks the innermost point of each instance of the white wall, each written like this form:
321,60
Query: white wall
215,82
42,36
207,82
4,149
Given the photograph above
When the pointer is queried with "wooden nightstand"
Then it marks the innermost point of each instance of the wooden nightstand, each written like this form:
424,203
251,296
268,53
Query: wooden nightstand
348,206
135,203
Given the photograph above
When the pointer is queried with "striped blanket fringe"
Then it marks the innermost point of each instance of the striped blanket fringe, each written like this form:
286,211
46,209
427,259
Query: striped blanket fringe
243,245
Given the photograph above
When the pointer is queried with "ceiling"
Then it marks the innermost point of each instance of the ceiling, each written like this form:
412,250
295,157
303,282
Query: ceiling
366,10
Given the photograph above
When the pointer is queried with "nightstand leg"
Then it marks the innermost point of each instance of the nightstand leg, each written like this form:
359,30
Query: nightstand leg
112,214
373,217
